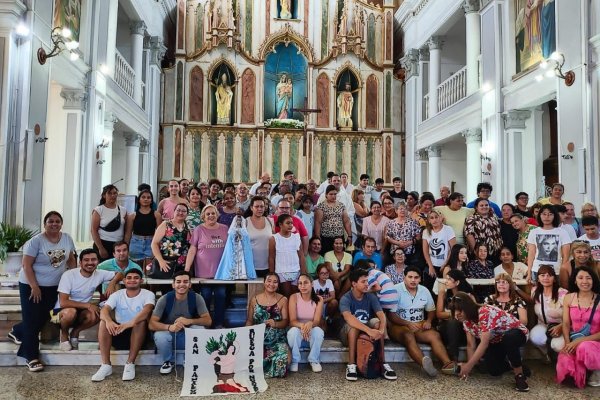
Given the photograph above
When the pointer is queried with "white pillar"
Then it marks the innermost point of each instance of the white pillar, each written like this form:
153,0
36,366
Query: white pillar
112,9
137,29
420,170
423,85
132,142
144,161
435,155
473,139
413,97
473,28
514,126
105,153
435,70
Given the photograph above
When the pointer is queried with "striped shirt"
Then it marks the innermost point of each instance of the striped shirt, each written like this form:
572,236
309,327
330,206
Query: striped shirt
388,296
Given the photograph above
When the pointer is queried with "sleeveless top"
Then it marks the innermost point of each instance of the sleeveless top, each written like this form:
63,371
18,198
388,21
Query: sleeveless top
259,239
286,253
305,310
144,224
168,209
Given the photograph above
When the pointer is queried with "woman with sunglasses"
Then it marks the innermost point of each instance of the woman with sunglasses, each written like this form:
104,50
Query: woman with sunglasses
45,257
339,263
492,334
581,331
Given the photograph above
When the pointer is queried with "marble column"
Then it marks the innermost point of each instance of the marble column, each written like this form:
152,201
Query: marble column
473,45
473,139
435,71
144,160
132,143
105,153
420,170
514,127
435,154
137,29
413,112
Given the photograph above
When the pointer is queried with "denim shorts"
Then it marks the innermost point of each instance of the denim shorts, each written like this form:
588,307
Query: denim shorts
140,247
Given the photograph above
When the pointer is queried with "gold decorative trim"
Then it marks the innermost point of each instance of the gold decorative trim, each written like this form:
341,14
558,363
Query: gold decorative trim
352,68
217,62
286,35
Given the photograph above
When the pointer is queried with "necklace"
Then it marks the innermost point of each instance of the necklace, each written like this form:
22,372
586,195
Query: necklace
581,319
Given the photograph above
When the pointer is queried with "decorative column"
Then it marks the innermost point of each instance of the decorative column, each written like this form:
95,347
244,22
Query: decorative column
423,106
514,127
435,70
413,113
420,170
137,29
473,26
144,166
473,139
105,153
132,142
435,154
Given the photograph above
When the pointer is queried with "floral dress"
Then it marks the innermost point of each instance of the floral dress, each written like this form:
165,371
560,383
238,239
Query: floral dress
512,307
406,231
395,276
193,219
332,224
175,244
275,357
522,244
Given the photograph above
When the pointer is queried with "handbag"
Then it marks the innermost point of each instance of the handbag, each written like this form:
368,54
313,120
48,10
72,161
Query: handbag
157,273
585,330
114,224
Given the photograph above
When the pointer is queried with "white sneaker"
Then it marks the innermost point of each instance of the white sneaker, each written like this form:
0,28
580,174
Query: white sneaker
316,367
104,371
294,367
65,346
594,379
129,372
428,366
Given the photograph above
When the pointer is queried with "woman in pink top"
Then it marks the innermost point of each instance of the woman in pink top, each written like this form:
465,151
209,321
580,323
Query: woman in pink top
206,249
374,226
305,311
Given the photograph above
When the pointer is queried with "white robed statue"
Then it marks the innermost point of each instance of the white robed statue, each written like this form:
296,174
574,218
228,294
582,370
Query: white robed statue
237,262
284,91
345,103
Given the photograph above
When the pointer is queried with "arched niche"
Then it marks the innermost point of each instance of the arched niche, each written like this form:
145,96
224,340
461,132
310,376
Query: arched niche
347,89
222,83
284,82
287,9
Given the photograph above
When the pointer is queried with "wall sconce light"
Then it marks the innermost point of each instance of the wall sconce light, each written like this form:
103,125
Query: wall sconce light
104,144
486,163
60,42
553,67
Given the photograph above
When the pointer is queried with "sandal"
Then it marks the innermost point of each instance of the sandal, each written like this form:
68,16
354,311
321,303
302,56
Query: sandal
35,366
450,368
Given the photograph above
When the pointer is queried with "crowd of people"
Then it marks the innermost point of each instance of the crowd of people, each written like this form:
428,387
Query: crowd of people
355,262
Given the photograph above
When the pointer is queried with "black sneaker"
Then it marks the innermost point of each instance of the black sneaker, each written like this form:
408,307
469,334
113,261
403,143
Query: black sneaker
521,383
389,373
166,368
11,335
351,374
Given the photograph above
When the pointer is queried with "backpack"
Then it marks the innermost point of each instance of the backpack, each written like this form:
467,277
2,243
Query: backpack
369,357
191,300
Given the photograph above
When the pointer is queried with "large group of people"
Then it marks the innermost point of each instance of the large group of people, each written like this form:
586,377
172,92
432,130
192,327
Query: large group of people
358,263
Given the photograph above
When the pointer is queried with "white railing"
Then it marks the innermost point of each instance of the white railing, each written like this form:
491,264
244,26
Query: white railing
426,107
452,90
124,74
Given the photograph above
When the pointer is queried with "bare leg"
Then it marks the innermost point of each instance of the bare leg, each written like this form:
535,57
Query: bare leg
138,335
67,320
433,339
86,320
352,338
105,342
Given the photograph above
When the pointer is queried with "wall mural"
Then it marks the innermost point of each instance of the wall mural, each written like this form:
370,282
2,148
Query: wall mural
67,14
535,32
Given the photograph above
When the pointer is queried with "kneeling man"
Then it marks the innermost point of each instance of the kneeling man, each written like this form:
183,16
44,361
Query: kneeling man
179,309
132,306
75,291
411,323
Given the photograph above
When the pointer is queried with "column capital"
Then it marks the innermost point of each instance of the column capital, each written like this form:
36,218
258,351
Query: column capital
471,6
424,54
515,119
75,99
434,151
110,120
421,155
410,62
472,135
137,27
157,50
144,145
435,42
132,139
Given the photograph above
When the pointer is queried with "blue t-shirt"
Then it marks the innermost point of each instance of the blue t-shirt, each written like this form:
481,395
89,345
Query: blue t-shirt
494,206
376,258
363,309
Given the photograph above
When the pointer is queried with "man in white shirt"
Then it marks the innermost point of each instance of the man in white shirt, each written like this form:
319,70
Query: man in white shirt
132,306
325,183
562,212
265,178
75,291
363,184
592,236
346,185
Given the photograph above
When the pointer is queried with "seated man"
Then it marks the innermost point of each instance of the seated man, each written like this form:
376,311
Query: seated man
358,307
380,284
408,325
368,253
75,290
132,306
178,309
119,263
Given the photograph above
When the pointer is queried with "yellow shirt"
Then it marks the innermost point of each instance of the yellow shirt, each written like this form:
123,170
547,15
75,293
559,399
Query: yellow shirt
456,220
546,200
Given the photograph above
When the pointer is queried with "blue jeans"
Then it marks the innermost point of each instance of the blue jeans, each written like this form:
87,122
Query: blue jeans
296,341
164,343
220,295
139,247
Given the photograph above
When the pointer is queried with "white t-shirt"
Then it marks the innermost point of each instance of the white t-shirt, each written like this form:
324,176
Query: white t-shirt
548,243
439,244
78,287
308,220
50,259
570,231
126,308
286,253
594,244
323,290
411,308
106,215
519,271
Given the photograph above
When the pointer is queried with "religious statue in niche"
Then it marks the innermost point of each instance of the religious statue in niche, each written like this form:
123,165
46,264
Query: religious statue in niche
284,93
223,96
285,12
345,105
